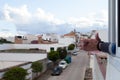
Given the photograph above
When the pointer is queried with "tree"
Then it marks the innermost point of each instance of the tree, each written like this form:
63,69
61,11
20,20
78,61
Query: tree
71,47
62,52
15,73
53,56
59,49
37,67
2,40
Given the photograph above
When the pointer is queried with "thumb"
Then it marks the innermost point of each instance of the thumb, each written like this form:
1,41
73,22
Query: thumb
97,37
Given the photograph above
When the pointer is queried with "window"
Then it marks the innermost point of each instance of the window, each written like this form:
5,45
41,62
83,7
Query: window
52,49
118,23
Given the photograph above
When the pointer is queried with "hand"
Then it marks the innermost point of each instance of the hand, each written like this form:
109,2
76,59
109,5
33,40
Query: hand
90,44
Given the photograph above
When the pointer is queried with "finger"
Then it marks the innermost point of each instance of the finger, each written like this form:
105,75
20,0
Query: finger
97,37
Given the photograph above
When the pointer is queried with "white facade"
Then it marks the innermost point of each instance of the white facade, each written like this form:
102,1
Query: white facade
103,34
28,46
12,39
6,46
11,64
66,40
6,64
51,37
28,38
22,57
8,60
97,74
113,68
11,59
113,63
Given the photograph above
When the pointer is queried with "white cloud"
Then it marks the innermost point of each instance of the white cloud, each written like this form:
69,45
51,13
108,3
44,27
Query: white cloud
22,15
6,34
100,18
7,29
16,15
41,15
42,21
80,22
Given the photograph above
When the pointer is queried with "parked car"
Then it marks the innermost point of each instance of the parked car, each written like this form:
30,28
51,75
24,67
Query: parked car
74,53
63,64
57,71
50,64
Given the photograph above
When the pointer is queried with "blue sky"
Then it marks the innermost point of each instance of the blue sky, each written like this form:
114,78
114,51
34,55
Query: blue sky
34,16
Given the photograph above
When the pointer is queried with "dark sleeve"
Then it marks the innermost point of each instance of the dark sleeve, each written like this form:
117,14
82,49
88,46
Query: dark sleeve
107,47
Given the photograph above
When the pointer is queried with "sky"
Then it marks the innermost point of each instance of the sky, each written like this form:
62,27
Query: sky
56,16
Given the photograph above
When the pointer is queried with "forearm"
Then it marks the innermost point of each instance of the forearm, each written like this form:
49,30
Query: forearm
107,47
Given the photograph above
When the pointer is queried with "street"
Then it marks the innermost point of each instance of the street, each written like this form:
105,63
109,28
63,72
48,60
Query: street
75,70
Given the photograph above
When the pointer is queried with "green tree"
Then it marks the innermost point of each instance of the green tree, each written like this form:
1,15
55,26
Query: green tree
37,67
2,40
15,73
53,56
62,52
59,49
71,47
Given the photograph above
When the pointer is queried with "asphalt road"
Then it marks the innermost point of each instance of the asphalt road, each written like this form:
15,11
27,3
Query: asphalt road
75,70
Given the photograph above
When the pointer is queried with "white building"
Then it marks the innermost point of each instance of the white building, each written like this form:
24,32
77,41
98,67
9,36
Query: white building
103,34
46,47
28,38
99,61
113,62
11,39
24,60
113,69
50,37
66,40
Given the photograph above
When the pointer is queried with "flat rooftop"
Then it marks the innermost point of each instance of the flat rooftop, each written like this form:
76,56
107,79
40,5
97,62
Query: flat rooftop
5,64
12,59
22,57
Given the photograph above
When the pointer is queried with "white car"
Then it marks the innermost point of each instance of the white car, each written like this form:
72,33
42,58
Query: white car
63,64
74,53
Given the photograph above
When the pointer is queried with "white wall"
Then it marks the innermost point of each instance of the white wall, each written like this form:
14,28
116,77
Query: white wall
7,64
113,64
50,36
113,68
6,46
28,46
29,38
29,70
12,39
40,46
22,57
103,34
27,67
66,40
97,75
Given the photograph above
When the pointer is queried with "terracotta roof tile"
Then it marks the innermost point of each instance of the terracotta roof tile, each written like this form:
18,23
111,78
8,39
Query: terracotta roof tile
70,34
